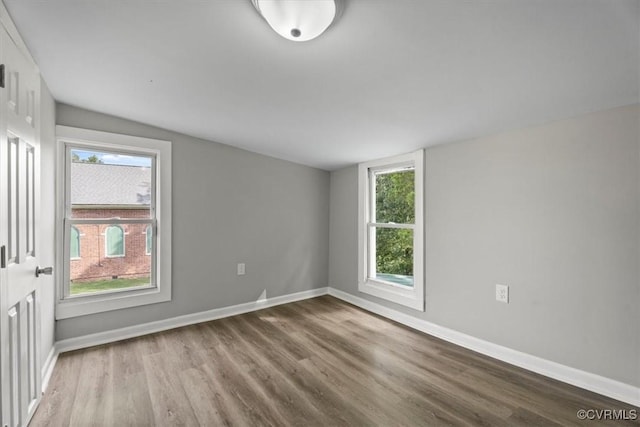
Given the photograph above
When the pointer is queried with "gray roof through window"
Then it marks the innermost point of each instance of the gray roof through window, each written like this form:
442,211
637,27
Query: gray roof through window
100,184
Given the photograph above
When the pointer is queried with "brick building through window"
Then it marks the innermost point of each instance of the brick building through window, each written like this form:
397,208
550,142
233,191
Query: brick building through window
110,251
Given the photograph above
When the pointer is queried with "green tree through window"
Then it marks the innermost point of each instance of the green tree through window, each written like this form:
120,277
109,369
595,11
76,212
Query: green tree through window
395,203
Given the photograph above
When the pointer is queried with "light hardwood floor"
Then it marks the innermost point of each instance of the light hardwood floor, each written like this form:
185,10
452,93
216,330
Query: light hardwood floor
309,363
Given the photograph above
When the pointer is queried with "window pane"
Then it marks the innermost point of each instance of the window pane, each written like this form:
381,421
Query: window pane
149,241
113,257
74,243
108,185
394,255
395,195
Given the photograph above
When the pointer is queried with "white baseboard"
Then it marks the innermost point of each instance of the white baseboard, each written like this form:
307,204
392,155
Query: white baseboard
176,322
49,364
165,324
586,380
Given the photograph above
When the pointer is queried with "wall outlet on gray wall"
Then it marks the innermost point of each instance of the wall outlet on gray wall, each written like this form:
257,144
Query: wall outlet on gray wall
502,293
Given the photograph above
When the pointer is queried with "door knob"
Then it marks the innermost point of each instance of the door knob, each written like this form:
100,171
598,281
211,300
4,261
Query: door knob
47,271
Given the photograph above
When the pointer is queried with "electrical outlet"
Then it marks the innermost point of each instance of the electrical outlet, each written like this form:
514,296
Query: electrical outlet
502,293
241,270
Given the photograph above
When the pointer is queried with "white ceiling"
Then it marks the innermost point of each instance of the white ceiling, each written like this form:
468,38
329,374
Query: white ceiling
388,77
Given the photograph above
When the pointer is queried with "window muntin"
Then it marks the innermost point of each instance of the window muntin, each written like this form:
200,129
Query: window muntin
74,243
390,223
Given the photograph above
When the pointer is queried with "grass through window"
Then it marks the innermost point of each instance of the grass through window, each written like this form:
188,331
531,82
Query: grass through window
107,285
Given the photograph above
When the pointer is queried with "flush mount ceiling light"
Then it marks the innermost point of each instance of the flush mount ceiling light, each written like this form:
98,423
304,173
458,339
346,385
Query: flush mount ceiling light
297,20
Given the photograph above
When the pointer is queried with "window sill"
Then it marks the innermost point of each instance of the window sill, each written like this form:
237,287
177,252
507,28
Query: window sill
82,305
403,295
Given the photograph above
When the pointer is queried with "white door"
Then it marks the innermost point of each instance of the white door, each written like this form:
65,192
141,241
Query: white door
20,374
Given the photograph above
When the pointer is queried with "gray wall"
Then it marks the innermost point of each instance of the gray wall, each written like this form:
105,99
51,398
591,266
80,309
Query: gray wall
47,220
552,211
229,206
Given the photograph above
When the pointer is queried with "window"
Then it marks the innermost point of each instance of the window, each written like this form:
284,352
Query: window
390,229
74,244
148,239
115,189
114,241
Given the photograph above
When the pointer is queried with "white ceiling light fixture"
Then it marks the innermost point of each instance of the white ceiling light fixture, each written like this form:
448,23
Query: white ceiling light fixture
297,20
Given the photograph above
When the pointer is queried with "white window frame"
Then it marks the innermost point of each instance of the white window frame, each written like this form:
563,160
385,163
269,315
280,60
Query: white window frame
410,297
80,305
106,242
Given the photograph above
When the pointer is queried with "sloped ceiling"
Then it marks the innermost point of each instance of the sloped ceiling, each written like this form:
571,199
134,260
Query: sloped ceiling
388,77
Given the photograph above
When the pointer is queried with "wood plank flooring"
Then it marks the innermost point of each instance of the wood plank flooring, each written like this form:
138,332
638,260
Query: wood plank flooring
319,362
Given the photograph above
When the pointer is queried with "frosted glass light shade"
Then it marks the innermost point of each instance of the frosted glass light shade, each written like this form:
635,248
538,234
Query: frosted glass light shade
297,20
